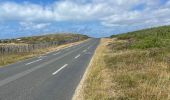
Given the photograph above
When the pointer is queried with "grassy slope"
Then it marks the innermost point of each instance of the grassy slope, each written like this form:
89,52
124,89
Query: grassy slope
148,38
12,58
132,66
45,38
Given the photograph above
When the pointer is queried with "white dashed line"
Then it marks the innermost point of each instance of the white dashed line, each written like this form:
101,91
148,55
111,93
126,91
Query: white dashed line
42,56
56,53
60,69
33,62
84,50
77,56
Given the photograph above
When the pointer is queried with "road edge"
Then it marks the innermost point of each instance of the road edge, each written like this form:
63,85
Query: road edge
79,90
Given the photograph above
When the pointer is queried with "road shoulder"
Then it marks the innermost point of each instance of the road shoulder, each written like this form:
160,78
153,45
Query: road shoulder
78,95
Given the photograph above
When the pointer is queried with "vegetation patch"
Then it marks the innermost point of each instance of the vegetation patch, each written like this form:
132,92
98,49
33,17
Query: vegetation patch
148,38
131,66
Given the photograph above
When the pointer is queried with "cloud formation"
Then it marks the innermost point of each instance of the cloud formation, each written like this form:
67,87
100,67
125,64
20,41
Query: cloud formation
59,11
108,13
153,14
31,25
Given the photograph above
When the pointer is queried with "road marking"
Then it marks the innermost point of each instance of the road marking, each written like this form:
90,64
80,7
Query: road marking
33,62
84,50
91,46
56,53
26,72
60,69
42,56
77,56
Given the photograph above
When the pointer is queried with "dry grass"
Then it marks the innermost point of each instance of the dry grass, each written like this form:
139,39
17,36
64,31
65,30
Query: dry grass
12,58
139,74
118,73
98,83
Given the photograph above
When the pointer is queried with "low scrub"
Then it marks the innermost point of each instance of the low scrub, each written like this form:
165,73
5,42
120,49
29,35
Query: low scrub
45,39
132,66
140,74
148,38
119,73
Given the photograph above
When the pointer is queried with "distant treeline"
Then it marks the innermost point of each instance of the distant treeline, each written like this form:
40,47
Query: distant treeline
33,43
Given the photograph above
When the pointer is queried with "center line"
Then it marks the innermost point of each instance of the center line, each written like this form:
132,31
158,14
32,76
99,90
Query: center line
60,69
33,62
77,56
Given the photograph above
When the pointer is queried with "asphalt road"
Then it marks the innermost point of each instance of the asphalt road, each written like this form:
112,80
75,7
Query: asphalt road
53,76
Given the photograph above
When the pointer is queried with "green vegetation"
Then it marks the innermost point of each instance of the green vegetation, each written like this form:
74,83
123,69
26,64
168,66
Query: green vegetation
148,38
45,38
141,64
131,66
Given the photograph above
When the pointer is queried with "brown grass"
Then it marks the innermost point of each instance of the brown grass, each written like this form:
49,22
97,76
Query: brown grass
97,85
118,73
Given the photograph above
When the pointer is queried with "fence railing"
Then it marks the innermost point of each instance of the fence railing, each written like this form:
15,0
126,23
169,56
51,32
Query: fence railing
10,49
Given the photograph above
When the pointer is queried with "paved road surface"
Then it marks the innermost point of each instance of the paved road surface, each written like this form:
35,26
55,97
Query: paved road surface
53,76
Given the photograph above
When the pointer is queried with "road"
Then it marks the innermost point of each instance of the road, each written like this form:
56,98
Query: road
53,76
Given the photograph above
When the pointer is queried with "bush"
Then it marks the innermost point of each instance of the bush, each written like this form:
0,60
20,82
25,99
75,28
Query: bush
148,38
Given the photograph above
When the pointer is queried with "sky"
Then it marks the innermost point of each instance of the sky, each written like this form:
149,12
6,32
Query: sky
96,18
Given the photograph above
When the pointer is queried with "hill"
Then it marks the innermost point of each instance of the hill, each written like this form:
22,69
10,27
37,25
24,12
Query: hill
45,38
131,66
147,38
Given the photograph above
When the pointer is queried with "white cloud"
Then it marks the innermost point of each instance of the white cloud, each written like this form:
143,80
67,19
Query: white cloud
59,11
26,11
31,25
64,10
154,15
110,13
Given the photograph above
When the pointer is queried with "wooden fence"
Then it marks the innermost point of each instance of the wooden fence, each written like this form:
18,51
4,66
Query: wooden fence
10,49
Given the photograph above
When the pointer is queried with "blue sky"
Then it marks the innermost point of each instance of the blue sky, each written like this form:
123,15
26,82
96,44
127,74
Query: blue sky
96,18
